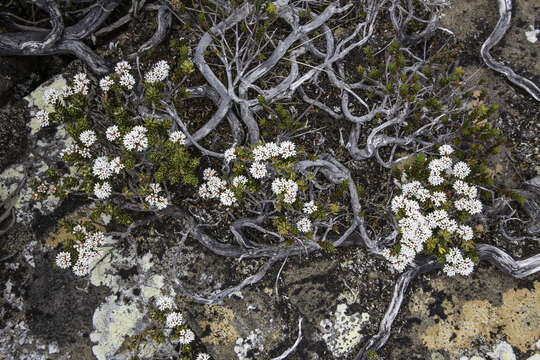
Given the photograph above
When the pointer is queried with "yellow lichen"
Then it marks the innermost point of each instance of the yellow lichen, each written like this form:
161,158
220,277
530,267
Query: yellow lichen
222,331
517,317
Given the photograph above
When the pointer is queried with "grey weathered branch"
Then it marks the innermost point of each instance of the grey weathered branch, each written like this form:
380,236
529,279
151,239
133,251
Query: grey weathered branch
505,17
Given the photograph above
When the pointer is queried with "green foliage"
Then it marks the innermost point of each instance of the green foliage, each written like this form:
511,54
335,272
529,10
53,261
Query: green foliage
281,122
371,355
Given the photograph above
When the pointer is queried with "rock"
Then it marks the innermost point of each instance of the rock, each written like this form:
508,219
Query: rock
538,345
503,351
437,356
534,357
477,358
343,332
112,323
13,134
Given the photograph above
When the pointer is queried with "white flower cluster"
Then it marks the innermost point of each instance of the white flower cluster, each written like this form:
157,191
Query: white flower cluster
265,152
418,225
87,251
103,168
112,133
174,319
304,225
258,170
456,264
230,154
288,188
50,96
202,356
63,260
185,336
159,72
165,303
309,207
269,150
106,83
88,137
239,180
136,139
177,137
102,190
42,116
80,84
468,203
127,80
122,69
214,187
154,199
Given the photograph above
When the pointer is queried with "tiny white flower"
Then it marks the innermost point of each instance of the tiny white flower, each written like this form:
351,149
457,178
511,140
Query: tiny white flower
127,80
102,191
42,117
155,188
287,149
178,137
102,168
116,165
446,150
227,198
112,133
106,83
84,152
88,137
165,303
63,260
202,356
174,319
67,91
186,336
258,170
239,180
230,154
304,225
461,170
50,96
309,207
121,67
208,173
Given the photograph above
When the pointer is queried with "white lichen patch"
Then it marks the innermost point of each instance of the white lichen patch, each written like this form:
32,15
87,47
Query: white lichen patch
253,344
48,149
35,99
113,322
343,332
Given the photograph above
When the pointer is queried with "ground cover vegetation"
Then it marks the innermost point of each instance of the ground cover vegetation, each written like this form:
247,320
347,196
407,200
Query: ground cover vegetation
304,96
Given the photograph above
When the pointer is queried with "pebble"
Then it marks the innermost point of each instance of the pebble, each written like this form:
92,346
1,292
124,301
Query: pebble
538,342
534,357
477,358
